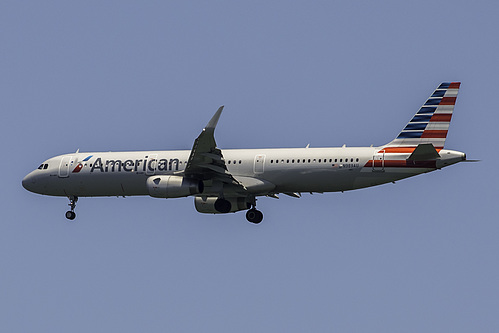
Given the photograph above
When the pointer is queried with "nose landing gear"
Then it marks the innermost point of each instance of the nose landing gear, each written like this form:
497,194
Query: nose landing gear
70,214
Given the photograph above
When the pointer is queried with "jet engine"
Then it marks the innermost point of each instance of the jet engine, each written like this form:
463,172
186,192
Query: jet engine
173,186
214,205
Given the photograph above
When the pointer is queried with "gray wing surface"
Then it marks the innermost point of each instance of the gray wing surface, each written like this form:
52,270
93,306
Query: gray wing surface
206,161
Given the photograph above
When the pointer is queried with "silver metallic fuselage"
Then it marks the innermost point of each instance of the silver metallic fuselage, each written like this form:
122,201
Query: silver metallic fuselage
263,171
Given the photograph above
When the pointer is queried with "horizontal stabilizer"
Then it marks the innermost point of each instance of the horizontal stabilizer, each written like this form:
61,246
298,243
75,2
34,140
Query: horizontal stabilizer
424,152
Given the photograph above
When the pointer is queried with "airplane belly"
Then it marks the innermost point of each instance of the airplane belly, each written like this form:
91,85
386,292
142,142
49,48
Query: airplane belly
90,185
314,181
368,178
337,179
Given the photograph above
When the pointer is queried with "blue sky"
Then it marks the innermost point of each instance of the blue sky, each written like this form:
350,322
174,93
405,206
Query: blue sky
420,255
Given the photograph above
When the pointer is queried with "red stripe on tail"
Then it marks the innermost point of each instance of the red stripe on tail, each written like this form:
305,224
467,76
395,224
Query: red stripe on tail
448,101
434,134
403,150
444,117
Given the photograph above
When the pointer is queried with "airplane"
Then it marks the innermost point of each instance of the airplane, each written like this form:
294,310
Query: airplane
230,180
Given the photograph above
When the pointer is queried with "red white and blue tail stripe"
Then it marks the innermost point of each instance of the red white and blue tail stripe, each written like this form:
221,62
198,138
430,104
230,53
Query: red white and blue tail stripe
430,124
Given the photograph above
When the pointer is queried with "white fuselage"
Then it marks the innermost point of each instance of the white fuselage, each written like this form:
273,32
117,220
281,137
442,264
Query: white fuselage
262,171
224,181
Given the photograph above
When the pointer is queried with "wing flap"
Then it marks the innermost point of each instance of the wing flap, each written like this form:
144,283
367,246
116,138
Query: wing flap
216,168
214,157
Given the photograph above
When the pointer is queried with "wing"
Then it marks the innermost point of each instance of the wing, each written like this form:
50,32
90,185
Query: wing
206,161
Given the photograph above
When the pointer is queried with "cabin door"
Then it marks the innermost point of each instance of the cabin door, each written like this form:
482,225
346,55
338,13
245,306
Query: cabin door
66,163
259,163
379,161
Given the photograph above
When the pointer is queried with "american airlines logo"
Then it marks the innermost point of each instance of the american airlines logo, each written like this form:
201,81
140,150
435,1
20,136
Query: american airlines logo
144,164
80,165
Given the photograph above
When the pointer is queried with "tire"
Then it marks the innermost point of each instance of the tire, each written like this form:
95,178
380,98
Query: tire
70,215
259,217
254,216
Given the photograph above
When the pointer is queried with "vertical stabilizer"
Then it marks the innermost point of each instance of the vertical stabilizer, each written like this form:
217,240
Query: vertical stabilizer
431,123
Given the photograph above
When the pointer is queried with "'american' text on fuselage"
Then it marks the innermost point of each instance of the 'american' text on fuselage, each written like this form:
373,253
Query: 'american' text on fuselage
135,165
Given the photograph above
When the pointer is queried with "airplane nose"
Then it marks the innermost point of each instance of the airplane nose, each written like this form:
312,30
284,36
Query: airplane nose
29,182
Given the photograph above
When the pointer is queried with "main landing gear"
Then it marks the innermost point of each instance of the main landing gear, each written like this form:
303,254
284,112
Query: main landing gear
254,216
70,214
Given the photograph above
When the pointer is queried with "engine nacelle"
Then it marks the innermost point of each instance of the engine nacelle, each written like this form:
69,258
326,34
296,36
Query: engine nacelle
173,186
214,205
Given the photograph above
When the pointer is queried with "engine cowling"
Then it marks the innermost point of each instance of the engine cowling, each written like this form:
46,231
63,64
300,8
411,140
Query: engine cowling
214,205
173,186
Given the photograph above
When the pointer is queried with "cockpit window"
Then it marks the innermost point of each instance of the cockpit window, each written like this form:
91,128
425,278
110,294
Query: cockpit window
45,166
40,167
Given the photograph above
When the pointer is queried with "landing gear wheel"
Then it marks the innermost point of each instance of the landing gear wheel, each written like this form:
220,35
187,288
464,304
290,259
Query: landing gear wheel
254,216
70,215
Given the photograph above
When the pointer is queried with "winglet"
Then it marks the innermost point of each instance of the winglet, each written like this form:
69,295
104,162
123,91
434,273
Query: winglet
214,120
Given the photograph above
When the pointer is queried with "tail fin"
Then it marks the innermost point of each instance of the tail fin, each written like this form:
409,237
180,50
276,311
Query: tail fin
431,123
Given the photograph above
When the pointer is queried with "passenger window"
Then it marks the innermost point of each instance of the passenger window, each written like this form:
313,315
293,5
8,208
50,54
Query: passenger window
229,162
341,160
351,160
240,161
357,160
319,160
